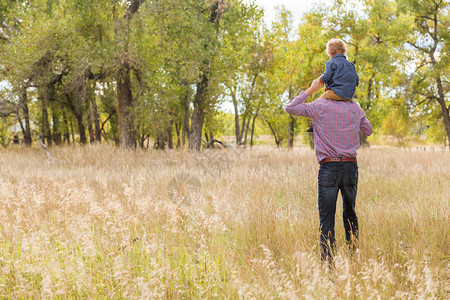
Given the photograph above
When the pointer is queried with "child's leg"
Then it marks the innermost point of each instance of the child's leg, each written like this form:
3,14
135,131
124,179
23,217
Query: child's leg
332,96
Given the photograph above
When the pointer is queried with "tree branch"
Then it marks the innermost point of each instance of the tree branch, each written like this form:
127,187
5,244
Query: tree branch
4,38
426,99
110,115
417,47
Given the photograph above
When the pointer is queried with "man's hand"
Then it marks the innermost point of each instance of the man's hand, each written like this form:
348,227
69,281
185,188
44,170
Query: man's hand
315,86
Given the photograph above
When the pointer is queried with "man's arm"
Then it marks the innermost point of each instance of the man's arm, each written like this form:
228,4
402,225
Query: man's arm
365,126
298,108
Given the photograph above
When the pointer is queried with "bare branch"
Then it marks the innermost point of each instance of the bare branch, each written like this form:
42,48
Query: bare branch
417,47
426,99
110,115
426,17
49,156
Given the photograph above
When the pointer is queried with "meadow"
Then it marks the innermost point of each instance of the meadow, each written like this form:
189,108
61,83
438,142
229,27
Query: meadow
100,222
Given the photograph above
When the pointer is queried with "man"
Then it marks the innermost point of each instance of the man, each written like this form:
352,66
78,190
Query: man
336,138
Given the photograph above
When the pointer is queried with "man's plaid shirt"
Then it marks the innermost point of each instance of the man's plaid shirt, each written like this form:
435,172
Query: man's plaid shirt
336,125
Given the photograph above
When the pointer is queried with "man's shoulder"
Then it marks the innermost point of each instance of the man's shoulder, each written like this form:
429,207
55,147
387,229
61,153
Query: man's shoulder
321,100
359,108
336,103
322,103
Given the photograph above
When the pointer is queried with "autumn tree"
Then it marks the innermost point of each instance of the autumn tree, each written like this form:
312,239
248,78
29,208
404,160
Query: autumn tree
428,44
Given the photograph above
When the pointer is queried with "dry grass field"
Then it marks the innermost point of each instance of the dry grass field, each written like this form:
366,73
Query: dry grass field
98,222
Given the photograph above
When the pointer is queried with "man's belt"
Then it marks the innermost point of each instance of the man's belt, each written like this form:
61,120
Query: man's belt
325,160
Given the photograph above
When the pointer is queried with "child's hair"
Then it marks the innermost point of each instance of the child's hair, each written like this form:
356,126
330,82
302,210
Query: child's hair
336,46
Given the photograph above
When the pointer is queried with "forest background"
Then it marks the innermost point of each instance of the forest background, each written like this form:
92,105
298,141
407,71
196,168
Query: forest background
172,73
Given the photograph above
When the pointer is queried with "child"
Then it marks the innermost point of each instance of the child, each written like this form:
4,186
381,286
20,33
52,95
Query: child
340,76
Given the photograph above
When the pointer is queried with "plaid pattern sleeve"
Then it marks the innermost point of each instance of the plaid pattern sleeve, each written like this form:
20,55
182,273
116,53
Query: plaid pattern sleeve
298,108
366,127
336,125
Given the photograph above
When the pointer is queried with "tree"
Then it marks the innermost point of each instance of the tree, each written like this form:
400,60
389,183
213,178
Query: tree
245,57
212,27
429,40
125,101
287,60
310,48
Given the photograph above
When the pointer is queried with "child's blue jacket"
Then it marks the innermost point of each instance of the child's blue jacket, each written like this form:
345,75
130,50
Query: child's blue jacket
340,76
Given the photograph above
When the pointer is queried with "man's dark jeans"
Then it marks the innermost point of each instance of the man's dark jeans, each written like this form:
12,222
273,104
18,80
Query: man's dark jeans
335,176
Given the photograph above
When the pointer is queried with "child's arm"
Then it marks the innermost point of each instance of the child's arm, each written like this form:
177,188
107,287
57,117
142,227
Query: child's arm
328,74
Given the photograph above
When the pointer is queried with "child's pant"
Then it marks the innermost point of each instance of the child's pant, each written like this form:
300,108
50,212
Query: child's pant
329,94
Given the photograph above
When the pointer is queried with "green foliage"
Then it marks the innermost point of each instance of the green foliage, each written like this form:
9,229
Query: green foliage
66,56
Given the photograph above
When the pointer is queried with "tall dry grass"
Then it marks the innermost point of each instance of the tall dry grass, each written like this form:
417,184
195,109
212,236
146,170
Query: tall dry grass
97,222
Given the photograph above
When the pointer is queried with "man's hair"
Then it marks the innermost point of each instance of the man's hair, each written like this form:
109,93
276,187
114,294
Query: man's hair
336,46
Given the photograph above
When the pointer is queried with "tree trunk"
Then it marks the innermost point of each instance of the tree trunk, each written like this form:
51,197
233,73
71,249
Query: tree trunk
75,103
275,136
27,132
245,127
253,127
311,140
211,139
169,135
66,129
292,123
71,130
291,133
125,106
444,108
187,115
236,120
142,137
81,128
159,144
441,95
246,130
16,137
90,117
362,137
241,134
91,129
363,140
198,115
98,132
56,123
45,126
177,130
124,96
185,133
